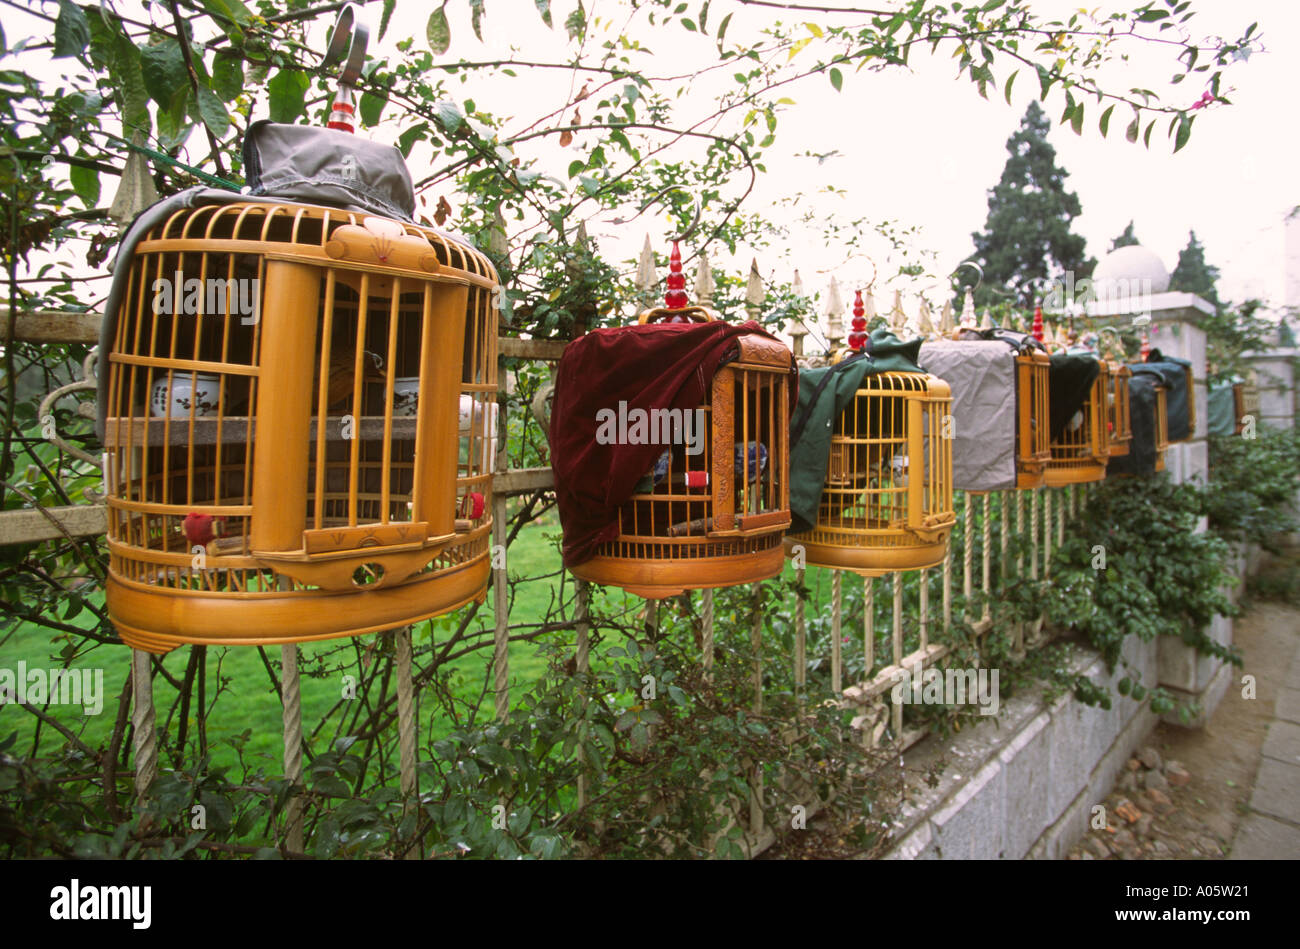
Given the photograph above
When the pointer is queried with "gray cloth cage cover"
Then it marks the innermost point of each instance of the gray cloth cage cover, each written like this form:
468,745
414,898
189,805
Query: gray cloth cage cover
982,376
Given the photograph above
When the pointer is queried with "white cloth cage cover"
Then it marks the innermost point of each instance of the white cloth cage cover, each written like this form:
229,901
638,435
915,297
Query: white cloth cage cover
982,376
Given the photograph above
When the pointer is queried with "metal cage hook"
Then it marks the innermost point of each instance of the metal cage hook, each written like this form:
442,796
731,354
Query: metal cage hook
348,41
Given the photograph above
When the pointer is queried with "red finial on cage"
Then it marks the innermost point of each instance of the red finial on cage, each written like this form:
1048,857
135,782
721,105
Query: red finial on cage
341,115
1145,351
1037,330
859,335
675,298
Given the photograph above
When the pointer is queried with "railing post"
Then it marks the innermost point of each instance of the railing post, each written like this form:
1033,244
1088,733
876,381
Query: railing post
582,603
868,625
706,635
291,697
898,648
986,561
837,613
144,735
500,608
800,640
406,727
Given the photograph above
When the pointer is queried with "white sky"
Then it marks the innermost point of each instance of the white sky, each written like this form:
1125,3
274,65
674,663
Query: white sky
921,148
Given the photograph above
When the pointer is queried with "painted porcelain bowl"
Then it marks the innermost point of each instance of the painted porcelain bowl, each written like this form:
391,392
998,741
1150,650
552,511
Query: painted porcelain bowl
175,397
406,396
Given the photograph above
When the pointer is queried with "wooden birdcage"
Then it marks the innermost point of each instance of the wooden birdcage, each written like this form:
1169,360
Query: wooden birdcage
296,427
714,518
886,504
1161,426
1245,403
1081,451
1033,417
1118,409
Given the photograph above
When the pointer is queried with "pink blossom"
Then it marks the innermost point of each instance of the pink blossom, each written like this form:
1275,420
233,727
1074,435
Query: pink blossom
1206,98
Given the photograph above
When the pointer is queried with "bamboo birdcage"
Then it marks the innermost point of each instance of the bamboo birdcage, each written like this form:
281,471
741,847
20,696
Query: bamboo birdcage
333,454
1033,417
886,504
714,519
1081,451
1161,426
1118,410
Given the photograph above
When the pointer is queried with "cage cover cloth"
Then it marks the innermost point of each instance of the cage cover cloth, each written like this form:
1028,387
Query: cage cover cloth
648,366
1221,411
823,395
1141,457
1069,381
982,377
1171,372
326,166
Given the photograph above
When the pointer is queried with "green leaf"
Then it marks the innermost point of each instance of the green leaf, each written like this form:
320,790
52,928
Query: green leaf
438,32
407,139
1184,131
85,181
371,107
71,31
288,95
1006,92
163,67
576,22
1146,136
449,116
115,49
1076,119
230,15
722,29
1045,80
212,112
544,8
476,17
1105,121
1131,133
837,79
228,74
173,128
386,16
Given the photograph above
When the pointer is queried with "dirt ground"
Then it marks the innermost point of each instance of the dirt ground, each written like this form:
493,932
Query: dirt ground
1199,820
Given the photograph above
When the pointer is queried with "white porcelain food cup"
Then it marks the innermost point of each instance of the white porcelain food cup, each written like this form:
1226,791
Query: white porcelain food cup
173,398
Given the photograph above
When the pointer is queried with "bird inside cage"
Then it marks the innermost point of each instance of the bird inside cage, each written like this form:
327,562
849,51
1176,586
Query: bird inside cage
342,372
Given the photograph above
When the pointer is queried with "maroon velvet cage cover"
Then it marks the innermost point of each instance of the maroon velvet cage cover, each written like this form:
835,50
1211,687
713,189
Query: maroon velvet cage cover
648,366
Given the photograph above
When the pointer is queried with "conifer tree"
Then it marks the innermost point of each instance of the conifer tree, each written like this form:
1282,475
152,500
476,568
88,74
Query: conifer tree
1127,239
1193,274
1026,242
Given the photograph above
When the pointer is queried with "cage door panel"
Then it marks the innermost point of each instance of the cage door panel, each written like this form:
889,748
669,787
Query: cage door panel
292,296
437,445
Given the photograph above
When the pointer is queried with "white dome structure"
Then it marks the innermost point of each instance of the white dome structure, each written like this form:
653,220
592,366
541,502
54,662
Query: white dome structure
1129,272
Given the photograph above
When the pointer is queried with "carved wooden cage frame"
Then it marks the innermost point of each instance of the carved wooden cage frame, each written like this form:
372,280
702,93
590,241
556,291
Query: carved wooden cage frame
886,504
716,518
1081,452
379,335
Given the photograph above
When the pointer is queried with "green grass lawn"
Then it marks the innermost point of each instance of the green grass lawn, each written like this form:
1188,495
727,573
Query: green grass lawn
250,703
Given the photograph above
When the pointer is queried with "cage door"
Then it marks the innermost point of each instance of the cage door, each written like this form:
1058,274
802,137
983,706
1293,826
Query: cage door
390,546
